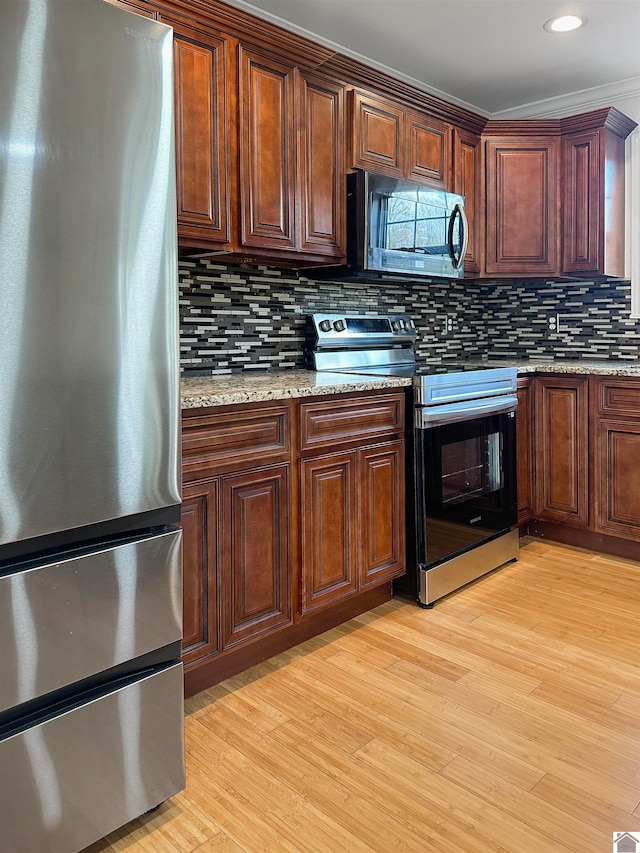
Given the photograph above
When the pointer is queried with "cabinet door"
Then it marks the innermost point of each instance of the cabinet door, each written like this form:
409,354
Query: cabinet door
329,530
321,166
382,518
199,598
522,216
581,170
618,452
466,164
267,152
525,452
201,146
254,559
377,134
428,150
562,431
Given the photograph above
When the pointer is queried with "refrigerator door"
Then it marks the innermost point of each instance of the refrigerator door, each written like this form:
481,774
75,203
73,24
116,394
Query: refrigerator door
71,779
69,619
89,407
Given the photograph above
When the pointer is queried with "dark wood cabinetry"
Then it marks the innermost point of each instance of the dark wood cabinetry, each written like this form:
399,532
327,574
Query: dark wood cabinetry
617,457
562,430
522,184
593,215
584,471
286,537
555,195
267,152
200,63
526,450
352,502
387,138
467,182
255,561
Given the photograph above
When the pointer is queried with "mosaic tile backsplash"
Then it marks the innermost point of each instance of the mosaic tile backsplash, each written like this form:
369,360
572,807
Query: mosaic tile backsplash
235,318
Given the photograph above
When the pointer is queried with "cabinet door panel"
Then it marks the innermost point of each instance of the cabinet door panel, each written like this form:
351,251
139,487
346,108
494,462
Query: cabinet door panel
199,598
428,154
466,159
267,140
200,85
329,530
522,206
581,164
563,453
254,554
322,167
618,449
377,134
525,437
382,513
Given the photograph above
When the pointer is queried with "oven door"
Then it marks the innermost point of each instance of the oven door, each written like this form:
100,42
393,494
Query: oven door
465,478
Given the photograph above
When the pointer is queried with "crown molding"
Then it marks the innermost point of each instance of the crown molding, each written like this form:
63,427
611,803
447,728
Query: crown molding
583,100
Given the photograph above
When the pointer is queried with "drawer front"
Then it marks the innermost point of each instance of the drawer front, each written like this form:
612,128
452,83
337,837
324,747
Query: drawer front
337,422
73,778
619,396
255,436
64,621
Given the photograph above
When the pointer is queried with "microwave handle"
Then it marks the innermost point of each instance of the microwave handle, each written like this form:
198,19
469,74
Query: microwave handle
458,210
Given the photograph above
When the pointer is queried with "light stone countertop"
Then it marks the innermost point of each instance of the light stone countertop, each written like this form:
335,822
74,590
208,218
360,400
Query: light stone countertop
259,386
254,387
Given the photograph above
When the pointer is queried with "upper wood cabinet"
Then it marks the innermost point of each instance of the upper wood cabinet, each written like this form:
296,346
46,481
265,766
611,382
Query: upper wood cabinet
554,194
467,182
200,63
593,159
267,152
387,138
522,182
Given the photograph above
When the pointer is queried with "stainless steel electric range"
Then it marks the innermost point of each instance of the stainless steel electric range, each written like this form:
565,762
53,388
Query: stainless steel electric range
461,450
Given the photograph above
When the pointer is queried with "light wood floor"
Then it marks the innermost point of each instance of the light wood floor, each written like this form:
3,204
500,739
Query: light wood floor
505,719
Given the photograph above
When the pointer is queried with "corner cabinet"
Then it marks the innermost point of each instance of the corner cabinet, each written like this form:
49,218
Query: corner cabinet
578,451
293,521
554,193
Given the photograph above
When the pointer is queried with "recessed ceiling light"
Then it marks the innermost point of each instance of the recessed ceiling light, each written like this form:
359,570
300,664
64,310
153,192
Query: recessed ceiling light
564,24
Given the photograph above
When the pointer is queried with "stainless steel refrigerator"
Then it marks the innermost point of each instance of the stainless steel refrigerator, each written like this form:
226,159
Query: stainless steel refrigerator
91,697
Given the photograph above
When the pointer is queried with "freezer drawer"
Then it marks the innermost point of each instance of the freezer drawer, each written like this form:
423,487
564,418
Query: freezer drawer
67,620
68,781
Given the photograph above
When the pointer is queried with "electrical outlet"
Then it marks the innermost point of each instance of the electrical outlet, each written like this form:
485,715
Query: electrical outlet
553,323
448,323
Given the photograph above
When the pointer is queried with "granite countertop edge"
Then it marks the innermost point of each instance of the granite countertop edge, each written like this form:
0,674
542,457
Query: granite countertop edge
230,389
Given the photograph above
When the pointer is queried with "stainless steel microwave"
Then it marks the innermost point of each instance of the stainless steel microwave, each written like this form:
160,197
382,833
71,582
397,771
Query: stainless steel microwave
404,228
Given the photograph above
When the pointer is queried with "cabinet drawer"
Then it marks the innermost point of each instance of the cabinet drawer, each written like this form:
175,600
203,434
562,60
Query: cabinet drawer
619,396
328,423
219,438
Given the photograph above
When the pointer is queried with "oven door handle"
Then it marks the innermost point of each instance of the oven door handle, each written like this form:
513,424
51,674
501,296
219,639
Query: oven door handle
427,417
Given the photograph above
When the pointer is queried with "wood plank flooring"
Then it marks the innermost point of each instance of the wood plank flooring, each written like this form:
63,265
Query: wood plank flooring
504,719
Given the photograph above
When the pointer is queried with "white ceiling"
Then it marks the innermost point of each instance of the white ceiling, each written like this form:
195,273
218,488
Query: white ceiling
492,56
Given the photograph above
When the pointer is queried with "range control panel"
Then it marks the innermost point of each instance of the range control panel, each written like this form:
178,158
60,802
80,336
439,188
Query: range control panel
350,330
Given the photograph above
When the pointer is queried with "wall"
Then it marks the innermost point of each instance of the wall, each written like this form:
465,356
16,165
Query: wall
255,317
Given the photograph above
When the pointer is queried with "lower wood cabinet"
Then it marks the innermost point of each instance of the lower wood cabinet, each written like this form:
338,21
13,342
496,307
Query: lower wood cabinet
282,541
352,519
255,563
562,440
617,457
578,469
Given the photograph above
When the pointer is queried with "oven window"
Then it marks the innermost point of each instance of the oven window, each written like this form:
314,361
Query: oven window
470,468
